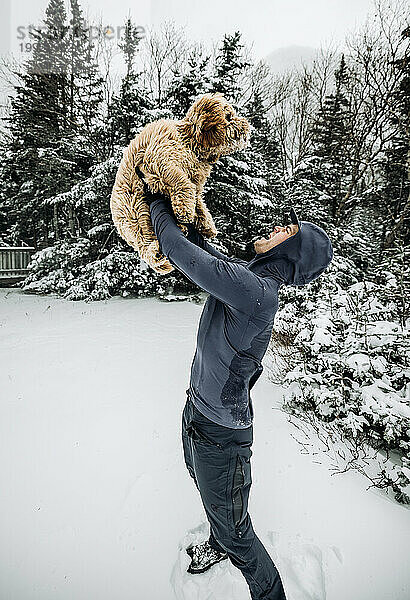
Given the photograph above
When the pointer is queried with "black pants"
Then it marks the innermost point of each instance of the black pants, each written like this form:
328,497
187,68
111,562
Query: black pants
218,460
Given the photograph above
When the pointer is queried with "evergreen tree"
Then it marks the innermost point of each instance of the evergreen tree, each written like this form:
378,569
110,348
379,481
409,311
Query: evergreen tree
85,91
304,190
396,164
229,65
264,141
51,128
241,201
245,190
127,112
393,265
80,142
35,166
38,110
188,83
330,139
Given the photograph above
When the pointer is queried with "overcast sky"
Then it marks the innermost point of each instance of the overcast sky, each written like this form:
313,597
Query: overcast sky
268,24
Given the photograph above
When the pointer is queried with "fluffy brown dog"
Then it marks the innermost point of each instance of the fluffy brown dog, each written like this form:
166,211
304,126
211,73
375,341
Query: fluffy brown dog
175,157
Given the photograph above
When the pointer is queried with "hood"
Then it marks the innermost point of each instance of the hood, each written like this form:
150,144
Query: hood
298,260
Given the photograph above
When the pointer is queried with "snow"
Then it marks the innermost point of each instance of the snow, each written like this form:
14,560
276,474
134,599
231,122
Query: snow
377,401
358,362
96,501
382,333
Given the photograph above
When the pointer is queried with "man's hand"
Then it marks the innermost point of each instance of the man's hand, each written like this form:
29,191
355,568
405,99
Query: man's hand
148,195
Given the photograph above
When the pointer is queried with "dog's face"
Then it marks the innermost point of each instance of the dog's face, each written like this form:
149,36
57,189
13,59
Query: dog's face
216,127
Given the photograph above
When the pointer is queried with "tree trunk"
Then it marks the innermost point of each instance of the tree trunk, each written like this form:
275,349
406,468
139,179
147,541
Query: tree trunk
71,221
404,213
55,223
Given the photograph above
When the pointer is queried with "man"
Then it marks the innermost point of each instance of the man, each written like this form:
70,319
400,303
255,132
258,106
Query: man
233,335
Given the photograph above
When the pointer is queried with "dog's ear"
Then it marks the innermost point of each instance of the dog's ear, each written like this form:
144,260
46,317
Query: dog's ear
209,122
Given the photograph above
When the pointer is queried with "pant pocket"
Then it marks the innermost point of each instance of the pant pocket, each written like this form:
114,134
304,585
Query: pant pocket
242,480
200,437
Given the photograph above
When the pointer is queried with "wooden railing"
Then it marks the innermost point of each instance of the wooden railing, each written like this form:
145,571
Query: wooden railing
14,261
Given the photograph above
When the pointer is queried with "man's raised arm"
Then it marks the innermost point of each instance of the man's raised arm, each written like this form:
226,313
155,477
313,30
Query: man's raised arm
230,282
198,239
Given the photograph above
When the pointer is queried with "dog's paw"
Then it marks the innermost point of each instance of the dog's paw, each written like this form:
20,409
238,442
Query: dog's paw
153,255
206,226
184,207
184,215
208,231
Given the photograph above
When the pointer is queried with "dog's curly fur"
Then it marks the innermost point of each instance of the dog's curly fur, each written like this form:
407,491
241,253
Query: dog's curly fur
175,157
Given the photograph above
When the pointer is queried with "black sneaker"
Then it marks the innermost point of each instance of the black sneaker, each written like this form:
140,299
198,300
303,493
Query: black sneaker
203,557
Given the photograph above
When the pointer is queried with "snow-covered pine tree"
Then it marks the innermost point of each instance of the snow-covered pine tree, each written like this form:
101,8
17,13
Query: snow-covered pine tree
229,66
85,92
127,110
396,163
79,138
264,151
51,128
304,190
330,140
190,80
244,189
96,264
393,276
4,200
392,270
345,368
319,181
35,164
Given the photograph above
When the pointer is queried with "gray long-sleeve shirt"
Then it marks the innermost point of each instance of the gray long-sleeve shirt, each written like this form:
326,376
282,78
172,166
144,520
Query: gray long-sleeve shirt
237,318
235,325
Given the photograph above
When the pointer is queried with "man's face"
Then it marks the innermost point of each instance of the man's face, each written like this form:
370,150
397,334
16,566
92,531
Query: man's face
277,236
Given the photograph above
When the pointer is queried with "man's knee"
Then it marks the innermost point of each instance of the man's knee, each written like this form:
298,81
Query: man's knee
238,542
192,473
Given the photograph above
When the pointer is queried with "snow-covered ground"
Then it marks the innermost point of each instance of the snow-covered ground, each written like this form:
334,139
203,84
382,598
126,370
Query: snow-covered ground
95,500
